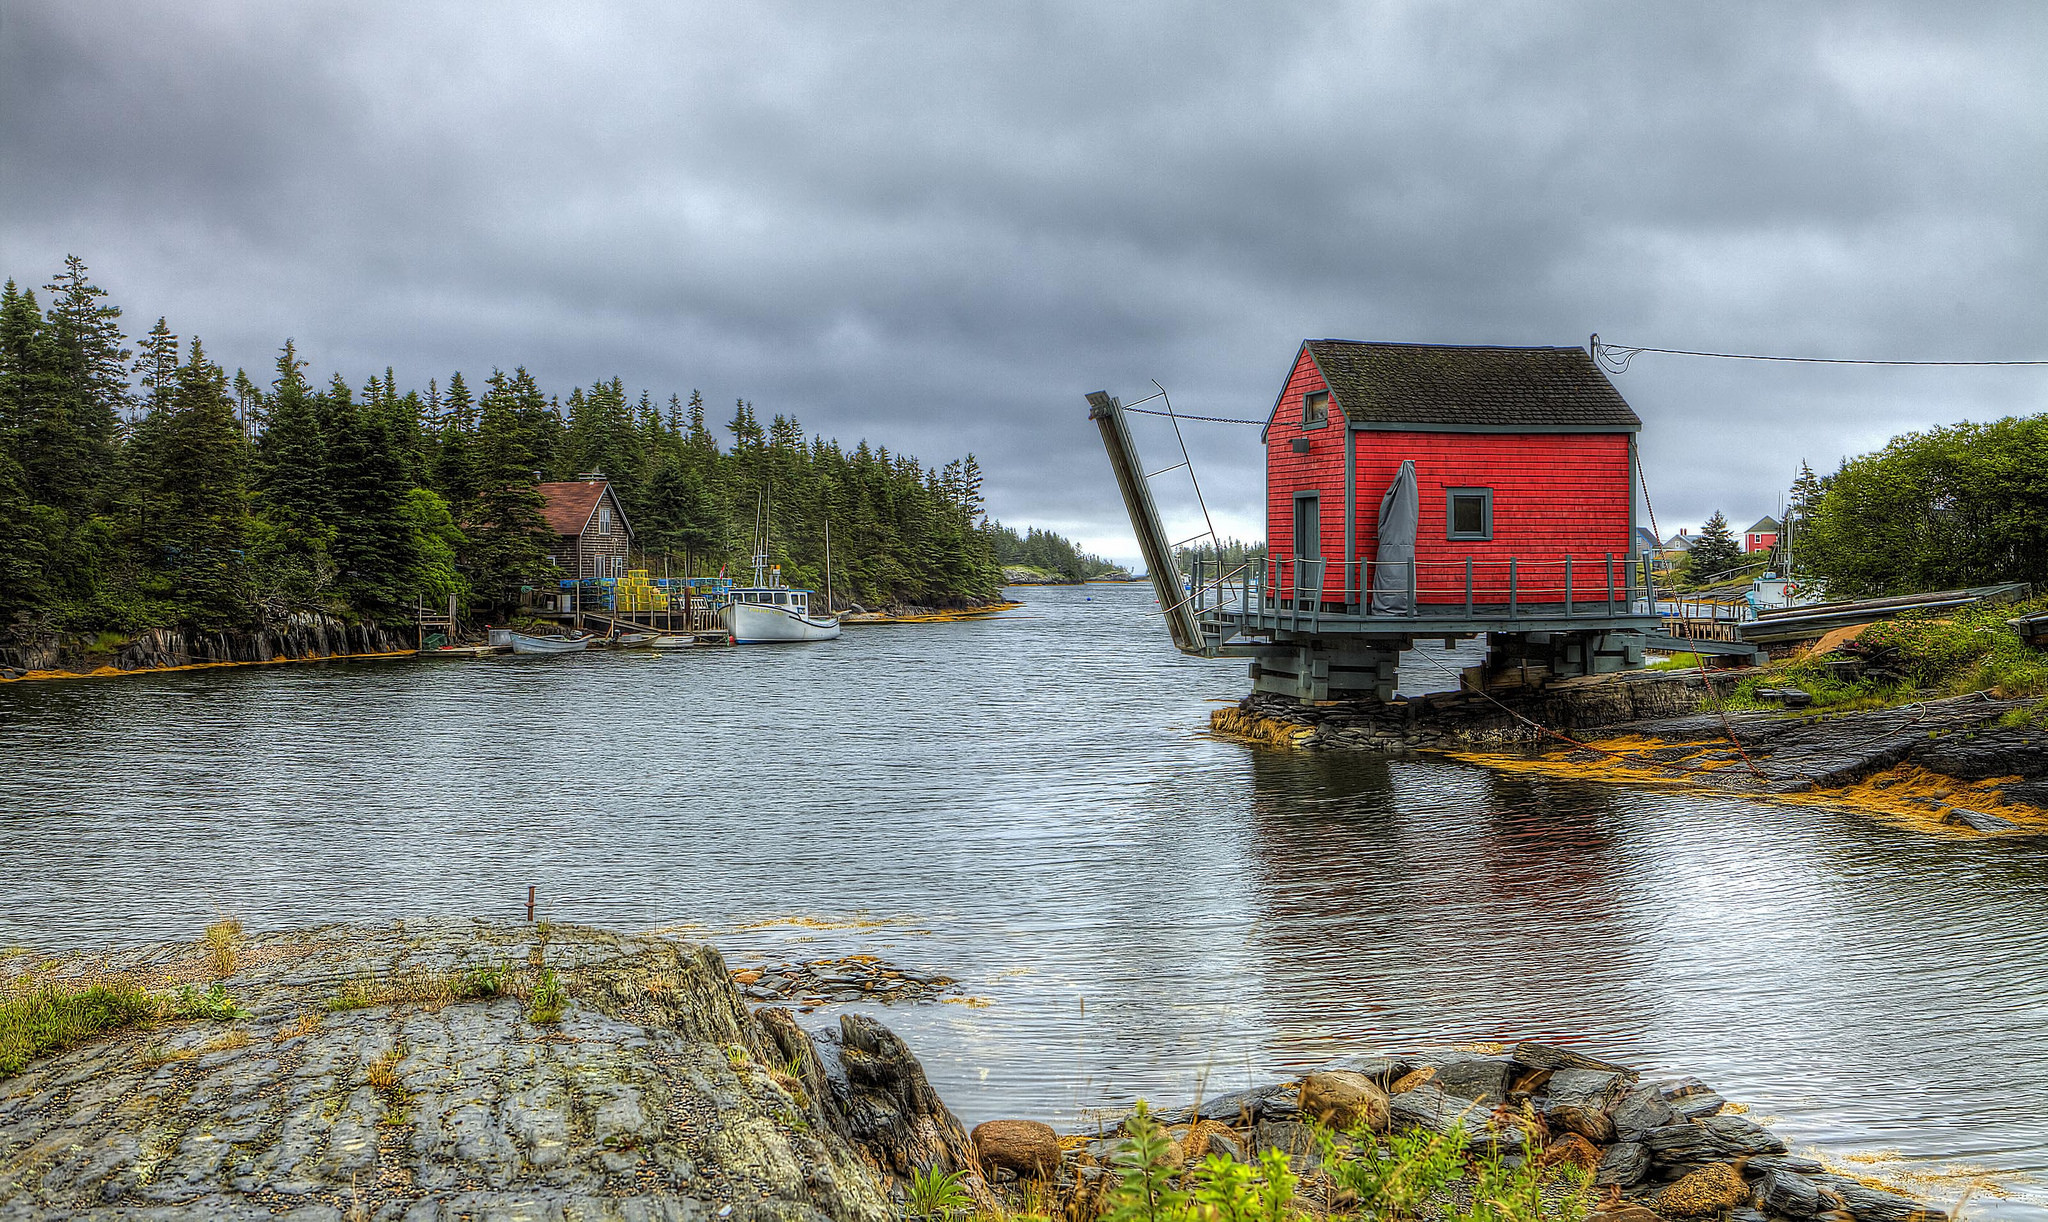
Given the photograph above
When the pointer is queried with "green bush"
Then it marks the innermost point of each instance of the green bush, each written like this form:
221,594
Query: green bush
1387,1180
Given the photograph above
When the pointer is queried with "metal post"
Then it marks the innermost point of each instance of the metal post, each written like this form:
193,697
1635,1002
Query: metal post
1610,585
1567,587
1513,589
1468,587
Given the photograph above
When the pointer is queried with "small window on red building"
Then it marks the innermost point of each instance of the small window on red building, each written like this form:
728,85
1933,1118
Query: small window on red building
1315,409
1468,513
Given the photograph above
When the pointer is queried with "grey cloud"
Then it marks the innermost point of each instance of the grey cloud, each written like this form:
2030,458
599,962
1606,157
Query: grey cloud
937,227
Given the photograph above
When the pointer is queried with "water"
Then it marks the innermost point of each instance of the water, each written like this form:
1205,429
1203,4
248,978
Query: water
1030,804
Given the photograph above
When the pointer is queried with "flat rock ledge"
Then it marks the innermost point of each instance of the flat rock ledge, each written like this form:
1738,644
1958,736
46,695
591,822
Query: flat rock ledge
397,1072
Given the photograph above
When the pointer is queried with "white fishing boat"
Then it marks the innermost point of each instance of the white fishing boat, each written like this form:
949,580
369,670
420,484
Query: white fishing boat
770,611
522,643
673,640
775,612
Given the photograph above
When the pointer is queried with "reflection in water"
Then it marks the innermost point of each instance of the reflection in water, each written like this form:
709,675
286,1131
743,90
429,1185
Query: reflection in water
1029,804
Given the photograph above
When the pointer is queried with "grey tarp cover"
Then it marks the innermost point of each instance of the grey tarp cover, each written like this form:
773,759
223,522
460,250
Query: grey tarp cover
1390,575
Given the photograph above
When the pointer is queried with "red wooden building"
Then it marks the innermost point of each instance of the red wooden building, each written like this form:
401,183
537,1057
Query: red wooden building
1523,475
1418,491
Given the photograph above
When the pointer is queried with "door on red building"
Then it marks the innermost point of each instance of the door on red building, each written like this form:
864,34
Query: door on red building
1308,548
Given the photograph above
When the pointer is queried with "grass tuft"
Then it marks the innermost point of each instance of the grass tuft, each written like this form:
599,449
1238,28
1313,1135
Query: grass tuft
50,1018
223,940
549,999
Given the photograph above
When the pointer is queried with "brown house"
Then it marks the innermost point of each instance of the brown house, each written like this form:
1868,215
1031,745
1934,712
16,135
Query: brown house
590,534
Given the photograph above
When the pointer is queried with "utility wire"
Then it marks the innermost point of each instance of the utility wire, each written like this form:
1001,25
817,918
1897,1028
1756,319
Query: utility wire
1616,357
1146,411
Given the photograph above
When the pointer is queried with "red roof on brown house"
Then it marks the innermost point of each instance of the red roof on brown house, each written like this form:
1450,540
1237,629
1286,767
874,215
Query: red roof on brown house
571,502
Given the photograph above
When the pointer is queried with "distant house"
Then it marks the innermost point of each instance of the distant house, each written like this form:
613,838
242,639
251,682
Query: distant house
1646,543
590,534
1762,535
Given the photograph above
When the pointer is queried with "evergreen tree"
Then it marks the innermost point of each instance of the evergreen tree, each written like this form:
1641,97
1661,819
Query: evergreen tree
156,364
507,532
1714,552
86,332
372,540
198,472
454,472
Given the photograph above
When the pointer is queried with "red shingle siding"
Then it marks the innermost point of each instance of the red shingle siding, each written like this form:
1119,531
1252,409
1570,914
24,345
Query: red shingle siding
1554,495
1321,470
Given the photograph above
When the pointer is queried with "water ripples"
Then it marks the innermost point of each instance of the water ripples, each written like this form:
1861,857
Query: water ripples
1029,804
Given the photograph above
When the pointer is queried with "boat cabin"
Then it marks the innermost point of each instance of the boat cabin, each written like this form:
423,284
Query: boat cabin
798,601
1427,479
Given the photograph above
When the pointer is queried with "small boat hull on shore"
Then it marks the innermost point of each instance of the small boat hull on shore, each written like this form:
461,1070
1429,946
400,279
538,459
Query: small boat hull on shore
672,641
524,644
633,640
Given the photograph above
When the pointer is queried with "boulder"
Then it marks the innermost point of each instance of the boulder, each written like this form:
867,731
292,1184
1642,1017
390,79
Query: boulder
1782,1192
1693,1099
1287,1136
1412,1079
1223,1142
1474,1077
1976,820
1639,1111
1867,1204
1764,1163
1700,1193
1343,1099
1239,1108
1532,1055
1589,1123
1028,1147
1585,1087
1576,1102
1571,1150
1626,1164
1685,1145
1743,1135
1430,1108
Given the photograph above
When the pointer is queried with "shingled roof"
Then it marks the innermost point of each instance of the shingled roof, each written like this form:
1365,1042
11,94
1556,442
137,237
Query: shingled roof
569,504
1383,385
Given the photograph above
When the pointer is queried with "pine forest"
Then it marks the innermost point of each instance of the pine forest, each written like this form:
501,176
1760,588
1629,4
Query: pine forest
144,486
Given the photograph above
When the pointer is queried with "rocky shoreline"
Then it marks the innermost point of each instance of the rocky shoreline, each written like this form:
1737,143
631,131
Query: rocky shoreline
299,637
457,1069
1951,760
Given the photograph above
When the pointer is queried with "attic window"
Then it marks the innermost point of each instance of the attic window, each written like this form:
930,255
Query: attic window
1315,409
604,519
1468,513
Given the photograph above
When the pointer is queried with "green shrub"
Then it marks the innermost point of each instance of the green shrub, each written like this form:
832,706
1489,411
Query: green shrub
936,1196
1409,1176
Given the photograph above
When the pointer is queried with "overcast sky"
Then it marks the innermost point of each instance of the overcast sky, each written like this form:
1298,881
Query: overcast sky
938,226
